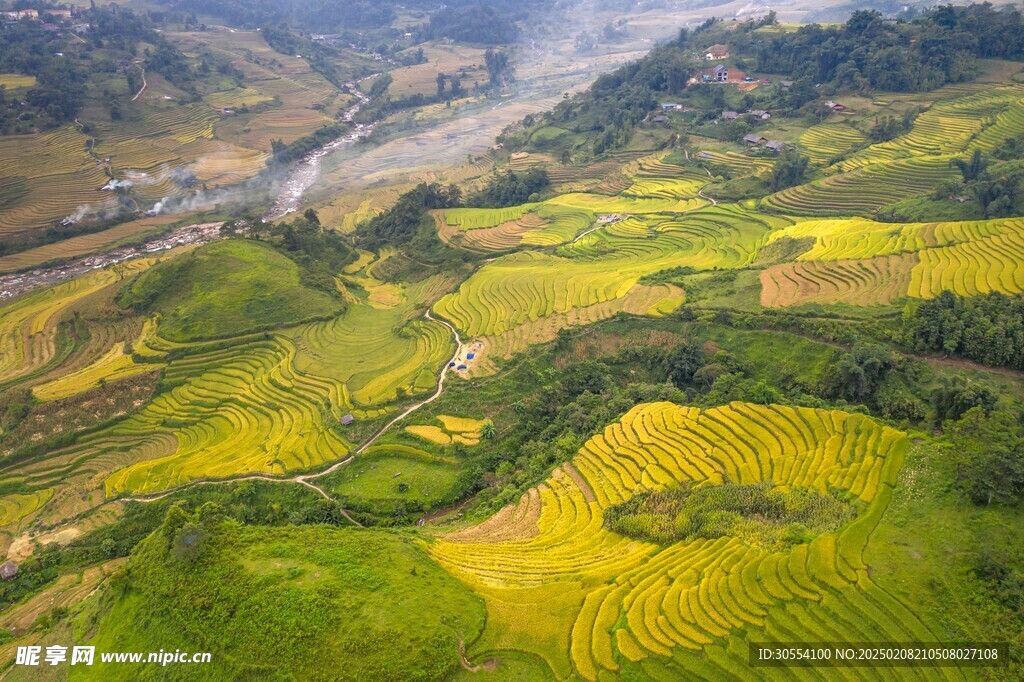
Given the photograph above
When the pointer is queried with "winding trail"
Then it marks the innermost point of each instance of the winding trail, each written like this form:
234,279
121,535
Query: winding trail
306,479
143,88
700,192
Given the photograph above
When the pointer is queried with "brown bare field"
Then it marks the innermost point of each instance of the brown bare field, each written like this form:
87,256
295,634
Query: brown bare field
865,282
421,79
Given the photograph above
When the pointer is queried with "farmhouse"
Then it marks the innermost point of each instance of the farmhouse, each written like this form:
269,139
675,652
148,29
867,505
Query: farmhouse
834,106
760,114
659,119
720,73
776,146
19,14
754,138
347,420
671,106
730,115
717,52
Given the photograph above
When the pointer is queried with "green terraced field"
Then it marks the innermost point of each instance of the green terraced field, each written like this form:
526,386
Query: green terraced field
864,189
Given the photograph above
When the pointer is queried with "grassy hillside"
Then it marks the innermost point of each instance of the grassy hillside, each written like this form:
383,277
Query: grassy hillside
285,603
226,289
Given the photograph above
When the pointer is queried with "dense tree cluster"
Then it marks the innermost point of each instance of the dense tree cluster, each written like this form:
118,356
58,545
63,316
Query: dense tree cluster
857,375
788,171
869,51
471,23
319,253
511,189
988,329
499,66
990,450
322,16
60,89
400,224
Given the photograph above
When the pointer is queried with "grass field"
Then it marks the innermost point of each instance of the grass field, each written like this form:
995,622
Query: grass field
369,603
225,289
454,60
391,474
13,81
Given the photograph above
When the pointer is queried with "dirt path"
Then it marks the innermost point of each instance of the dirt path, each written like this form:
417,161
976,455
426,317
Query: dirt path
588,493
490,664
306,479
143,88
700,192
581,235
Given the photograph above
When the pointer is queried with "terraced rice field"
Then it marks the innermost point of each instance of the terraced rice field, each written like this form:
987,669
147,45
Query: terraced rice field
867,282
84,244
527,286
452,430
867,263
421,79
31,341
560,225
234,411
946,128
13,81
378,348
654,178
625,204
235,98
58,175
55,175
526,297
655,301
823,142
840,239
738,164
113,365
561,586
864,190
1008,124
478,218
17,506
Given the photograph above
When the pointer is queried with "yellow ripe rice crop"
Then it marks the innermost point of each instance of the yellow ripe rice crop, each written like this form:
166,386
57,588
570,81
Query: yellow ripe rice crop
233,412
13,81
114,365
642,600
868,263
455,430
30,341
16,506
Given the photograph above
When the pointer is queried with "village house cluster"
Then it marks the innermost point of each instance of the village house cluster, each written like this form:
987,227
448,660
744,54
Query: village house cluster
51,19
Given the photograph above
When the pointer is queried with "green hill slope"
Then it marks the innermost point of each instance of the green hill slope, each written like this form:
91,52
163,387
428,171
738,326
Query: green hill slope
293,603
227,288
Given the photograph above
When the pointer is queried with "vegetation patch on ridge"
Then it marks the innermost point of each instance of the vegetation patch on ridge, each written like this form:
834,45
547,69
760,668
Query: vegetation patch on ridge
761,515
